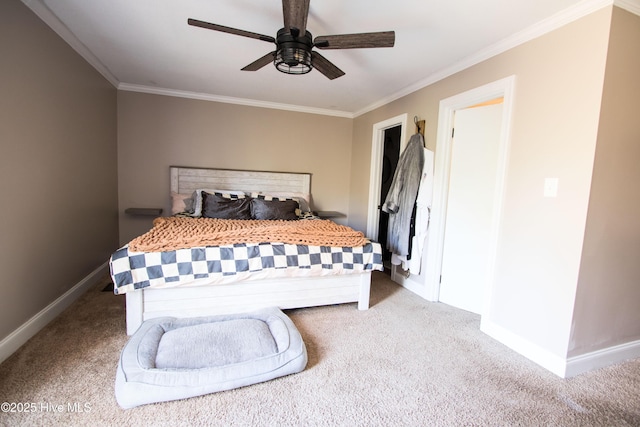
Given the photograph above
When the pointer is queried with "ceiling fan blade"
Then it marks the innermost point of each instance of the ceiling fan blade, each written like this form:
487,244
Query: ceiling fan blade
216,27
356,41
326,67
295,15
259,63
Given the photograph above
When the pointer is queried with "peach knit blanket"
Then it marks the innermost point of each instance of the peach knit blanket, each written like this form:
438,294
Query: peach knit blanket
171,233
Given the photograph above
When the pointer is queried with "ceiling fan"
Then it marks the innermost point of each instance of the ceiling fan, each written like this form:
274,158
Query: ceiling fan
294,44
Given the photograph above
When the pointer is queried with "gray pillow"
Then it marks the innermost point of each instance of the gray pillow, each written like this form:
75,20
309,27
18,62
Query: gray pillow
274,209
217,206
206,345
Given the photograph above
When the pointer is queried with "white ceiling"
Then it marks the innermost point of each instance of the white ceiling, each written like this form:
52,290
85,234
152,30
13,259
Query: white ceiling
146,45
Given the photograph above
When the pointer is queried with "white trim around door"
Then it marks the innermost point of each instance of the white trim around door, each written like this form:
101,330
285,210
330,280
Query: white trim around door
375,175
501,88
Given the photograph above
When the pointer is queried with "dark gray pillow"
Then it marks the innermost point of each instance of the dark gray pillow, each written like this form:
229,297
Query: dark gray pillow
274,209
217,206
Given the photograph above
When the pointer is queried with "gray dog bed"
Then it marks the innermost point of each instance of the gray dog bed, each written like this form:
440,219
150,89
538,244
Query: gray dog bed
170,358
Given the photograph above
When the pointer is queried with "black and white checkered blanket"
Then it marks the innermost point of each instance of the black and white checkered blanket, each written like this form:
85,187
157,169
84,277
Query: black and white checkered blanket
226,264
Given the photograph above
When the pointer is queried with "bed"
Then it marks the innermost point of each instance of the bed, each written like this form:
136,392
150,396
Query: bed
161,282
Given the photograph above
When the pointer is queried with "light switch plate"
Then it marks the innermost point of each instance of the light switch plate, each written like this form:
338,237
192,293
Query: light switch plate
550,187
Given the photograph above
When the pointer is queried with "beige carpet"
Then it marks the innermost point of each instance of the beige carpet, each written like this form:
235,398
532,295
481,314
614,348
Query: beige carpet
404,362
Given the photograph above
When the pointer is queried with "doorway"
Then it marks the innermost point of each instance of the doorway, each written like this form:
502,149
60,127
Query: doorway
470,205
376,170
444,160
390,157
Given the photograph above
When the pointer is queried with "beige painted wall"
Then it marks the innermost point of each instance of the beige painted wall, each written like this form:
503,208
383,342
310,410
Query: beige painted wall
155,132
57,167
608,300
59,124
559,80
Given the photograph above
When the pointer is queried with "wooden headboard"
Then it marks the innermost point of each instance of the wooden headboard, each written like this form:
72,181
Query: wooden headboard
185,180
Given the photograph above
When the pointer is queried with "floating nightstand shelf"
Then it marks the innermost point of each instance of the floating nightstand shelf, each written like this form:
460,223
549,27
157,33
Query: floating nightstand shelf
329,214
143,211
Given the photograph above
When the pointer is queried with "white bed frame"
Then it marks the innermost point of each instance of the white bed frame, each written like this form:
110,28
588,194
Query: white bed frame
286,292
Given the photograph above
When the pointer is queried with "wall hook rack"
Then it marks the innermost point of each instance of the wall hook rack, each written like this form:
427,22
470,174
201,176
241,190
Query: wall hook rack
420,125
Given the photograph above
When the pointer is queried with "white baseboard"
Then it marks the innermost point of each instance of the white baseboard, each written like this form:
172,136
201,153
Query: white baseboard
539,355
600,358
408,282
31,327
562,367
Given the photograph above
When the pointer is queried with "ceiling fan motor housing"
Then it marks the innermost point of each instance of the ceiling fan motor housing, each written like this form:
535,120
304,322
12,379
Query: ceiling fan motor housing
293,54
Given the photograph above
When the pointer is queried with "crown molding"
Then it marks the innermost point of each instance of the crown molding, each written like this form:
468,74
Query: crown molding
230,100
554,22
545,26
632,6
44,13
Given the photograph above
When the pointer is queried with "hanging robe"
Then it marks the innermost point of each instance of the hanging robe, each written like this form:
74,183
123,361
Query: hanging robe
402,195
422,218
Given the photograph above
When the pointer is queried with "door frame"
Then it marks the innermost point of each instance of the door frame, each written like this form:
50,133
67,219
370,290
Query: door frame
375,171
500,88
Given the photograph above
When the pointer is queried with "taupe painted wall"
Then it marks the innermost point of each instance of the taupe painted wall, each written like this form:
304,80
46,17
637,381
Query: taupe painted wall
155,132
57,166
608,300
559,81
59,173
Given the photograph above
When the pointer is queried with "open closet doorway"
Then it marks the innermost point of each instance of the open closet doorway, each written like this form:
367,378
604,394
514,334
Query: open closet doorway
388,141
390,156
456,186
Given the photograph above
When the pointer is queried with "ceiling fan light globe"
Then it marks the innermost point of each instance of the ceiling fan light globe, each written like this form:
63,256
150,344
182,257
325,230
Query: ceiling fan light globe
291,60
293,55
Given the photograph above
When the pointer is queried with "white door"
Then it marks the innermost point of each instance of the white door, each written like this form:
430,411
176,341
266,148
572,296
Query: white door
470,206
